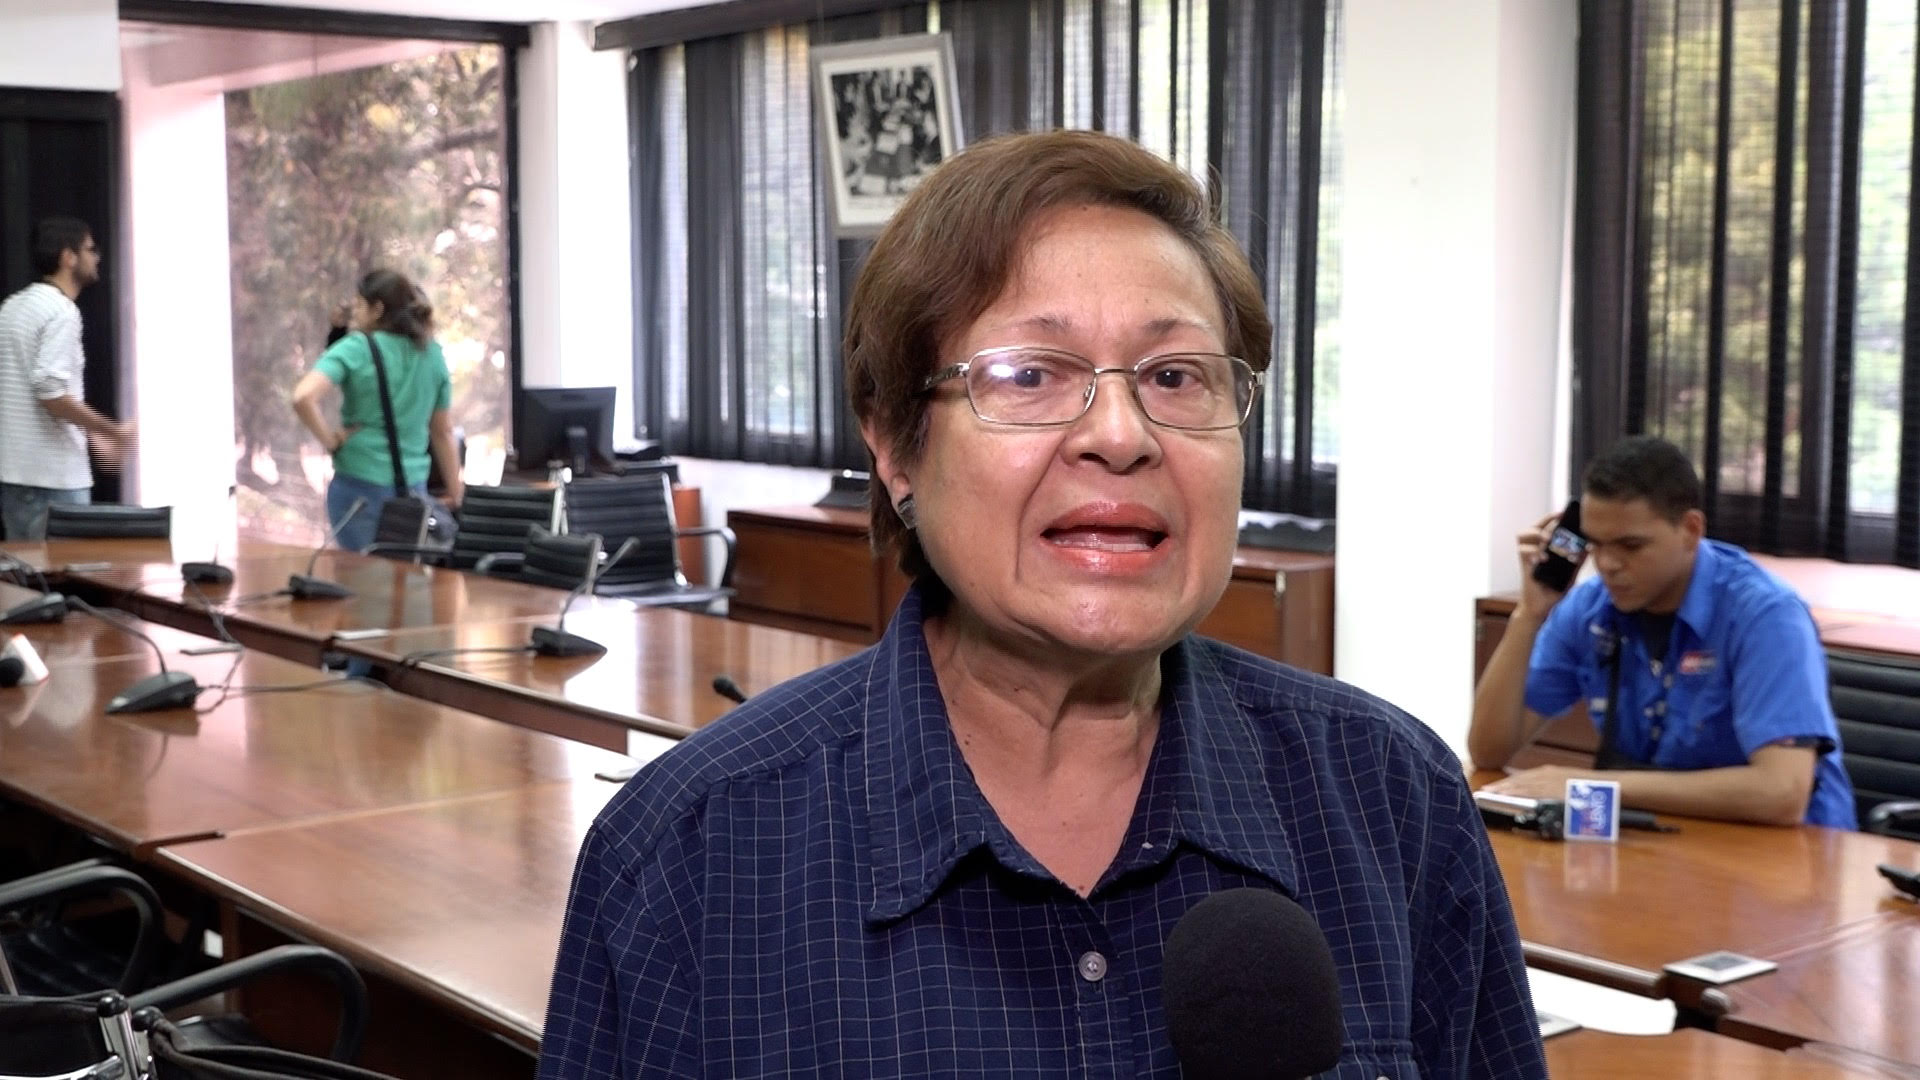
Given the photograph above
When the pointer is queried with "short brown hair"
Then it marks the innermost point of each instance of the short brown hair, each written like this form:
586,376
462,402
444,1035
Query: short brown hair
951,248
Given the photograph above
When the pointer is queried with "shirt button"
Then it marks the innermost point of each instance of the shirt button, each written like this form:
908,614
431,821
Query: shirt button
1092,966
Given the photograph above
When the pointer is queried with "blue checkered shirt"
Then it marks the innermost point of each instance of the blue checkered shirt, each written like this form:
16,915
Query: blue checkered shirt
815,887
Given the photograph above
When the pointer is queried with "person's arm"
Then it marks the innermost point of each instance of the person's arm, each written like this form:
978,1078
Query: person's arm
593,1029
56,367
1502,724
306,405
1473,1013
1771,789
447,454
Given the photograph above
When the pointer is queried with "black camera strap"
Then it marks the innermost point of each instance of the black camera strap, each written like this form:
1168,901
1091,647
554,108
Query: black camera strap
1609,755
386,409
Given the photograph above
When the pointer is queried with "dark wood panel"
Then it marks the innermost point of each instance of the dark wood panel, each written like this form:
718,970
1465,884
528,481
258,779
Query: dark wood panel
813,569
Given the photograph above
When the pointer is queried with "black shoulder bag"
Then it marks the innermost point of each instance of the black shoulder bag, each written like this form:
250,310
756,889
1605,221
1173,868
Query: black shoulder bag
439,522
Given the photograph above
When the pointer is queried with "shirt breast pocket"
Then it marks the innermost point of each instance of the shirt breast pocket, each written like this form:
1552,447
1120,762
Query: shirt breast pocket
1376,1061
1705,736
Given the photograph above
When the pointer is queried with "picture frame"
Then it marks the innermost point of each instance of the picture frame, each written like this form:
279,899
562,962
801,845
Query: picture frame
888,112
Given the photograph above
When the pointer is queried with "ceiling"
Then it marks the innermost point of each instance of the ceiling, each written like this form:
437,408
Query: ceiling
499,10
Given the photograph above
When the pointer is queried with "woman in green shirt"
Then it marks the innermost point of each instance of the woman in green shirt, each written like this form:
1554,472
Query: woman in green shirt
393,313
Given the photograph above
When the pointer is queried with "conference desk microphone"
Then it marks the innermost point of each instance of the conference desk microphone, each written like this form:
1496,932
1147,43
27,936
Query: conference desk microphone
212,573
555,640
306,586
48,607
727,688
165,690
1249,988
1547,818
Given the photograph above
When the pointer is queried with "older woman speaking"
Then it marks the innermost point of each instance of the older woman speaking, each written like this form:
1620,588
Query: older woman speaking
961,852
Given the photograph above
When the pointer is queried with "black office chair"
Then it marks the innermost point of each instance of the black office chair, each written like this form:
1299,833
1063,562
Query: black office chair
1877,702
641,508
46,953
556,560
496,521
40,971
110,1036
109,521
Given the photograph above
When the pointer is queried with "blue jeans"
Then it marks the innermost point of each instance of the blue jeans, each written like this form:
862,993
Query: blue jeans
24,508
342,492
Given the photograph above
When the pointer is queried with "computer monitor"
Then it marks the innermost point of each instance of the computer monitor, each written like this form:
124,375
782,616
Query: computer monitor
567,425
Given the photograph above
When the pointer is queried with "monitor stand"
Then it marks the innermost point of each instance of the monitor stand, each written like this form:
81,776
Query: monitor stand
579,454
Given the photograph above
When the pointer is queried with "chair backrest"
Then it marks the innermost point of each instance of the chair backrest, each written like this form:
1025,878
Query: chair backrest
629,507
496,520
559,560
1878,705
110,521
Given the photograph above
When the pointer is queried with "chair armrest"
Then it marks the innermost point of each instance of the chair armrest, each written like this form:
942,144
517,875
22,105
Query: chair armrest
726,536
423,552
325,962
93,878
500,562
1888,816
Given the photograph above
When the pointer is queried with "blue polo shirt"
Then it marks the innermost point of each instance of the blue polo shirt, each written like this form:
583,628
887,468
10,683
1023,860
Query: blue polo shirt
1744,669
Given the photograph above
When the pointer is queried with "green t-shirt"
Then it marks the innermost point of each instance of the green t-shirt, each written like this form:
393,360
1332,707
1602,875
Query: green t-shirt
418,380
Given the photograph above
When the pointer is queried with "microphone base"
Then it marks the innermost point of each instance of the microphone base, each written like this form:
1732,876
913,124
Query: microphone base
155,693
302,587
46,608
206,573
548,641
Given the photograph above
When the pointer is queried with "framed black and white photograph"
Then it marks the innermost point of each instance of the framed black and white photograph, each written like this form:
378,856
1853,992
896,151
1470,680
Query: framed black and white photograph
889,113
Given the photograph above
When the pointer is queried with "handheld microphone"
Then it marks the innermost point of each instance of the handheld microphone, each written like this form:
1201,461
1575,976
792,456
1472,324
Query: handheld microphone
554,640
306,586
166,690
1547,818
212,573
727,688
1250,990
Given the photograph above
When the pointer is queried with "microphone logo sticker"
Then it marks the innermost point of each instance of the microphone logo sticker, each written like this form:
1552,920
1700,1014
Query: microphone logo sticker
1593,810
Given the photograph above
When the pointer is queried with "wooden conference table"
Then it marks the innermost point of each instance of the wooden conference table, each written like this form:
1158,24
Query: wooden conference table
1689,1052
1806,897
140,781
654,681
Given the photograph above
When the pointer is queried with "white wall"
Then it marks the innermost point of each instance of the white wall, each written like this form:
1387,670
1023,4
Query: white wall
180,331
1458,121
60,44
576,261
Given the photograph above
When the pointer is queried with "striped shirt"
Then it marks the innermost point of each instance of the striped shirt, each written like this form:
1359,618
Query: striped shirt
40,360
816,888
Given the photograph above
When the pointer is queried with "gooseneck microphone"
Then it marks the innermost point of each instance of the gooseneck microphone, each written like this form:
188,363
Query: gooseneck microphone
306,586
727,688
48,607
212,573
1250,990
165,690
554,640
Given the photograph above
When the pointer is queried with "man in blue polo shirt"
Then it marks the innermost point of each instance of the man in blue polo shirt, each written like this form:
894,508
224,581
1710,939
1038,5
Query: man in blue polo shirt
1703,672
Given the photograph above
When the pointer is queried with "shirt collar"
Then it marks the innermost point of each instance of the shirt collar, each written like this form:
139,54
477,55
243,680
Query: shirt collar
925,813
1696,608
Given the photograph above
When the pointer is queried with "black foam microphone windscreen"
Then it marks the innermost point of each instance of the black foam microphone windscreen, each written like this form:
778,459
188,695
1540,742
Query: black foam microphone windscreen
1250,990
12,670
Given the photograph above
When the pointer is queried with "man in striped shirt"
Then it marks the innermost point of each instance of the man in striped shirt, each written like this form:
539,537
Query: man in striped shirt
45,422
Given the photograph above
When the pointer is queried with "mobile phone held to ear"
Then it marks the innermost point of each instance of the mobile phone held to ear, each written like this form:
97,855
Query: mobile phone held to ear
1566,550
